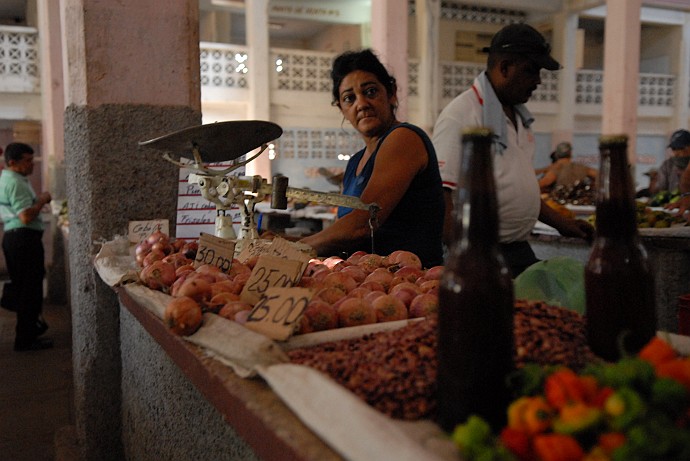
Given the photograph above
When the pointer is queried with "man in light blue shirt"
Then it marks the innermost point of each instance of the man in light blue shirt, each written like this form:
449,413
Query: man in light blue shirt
22,245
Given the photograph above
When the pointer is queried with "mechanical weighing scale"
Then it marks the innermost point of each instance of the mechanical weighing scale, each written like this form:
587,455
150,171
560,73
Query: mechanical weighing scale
227,142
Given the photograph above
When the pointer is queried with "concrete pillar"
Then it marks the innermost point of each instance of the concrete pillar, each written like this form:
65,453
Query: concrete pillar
622,71
428,14
389,40
133,75
53,138
565,47
259,84
682,111
52,97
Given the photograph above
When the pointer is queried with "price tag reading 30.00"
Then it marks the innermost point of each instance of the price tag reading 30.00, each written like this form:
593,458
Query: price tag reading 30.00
215,251
278,312
269,272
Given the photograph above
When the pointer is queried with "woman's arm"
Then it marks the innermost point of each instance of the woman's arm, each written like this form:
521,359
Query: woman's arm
401,156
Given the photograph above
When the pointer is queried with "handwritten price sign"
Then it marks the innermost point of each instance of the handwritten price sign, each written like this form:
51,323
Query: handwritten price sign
139,230
278,312
270,272
215,251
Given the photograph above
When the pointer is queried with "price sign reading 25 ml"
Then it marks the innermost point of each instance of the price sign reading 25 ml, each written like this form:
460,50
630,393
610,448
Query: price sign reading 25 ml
278,312
215,251
270,272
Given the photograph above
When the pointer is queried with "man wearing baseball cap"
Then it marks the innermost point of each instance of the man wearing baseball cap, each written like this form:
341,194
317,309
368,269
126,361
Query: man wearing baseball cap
516,55
672,168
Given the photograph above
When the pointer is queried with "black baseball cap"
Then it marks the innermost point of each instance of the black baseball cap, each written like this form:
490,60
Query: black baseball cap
680,139
525,40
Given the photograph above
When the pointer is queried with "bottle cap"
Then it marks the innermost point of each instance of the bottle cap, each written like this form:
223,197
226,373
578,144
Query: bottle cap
477,132
613,139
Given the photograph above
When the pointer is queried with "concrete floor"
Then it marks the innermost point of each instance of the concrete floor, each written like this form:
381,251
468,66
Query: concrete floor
36,391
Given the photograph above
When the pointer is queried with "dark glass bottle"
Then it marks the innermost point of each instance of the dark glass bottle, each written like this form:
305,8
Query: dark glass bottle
475,340
619,285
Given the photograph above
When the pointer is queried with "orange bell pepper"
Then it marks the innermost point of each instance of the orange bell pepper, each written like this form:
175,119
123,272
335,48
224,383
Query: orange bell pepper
557,447
565,386
678,369
657,351
530,415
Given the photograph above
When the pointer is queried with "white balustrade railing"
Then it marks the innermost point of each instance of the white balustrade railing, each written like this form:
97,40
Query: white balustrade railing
656,90
223,66
19,65
297,70
228,66
318,143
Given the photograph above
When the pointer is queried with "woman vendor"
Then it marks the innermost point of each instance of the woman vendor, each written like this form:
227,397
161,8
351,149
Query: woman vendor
397,169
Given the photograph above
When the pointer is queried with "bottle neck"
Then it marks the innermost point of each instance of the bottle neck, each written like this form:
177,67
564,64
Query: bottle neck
615,212
476,209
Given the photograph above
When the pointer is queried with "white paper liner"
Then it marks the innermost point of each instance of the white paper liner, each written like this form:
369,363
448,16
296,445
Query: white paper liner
340,334
243,349
360,433
115,264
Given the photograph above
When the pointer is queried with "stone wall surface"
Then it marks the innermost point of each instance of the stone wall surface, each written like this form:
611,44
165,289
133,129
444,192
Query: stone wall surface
110,181
163,415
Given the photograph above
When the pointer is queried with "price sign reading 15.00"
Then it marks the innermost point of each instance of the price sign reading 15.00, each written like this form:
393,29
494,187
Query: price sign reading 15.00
215,251
278,312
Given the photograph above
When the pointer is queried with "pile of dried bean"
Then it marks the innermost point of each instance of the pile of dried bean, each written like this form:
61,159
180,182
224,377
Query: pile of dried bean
550,335
395,371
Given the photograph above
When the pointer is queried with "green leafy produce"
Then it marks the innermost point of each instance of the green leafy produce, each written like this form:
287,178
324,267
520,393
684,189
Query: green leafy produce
556,281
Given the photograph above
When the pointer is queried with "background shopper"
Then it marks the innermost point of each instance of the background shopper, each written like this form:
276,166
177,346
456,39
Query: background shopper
20,209
672,168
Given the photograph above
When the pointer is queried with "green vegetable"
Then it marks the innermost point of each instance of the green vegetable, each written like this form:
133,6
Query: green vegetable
654,440
670,397
660,198
477,443
629,372
557,281
472,436
529,379
577,418
624,408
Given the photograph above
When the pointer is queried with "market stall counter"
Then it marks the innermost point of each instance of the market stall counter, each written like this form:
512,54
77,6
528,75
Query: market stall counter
202,407
669,253
183,401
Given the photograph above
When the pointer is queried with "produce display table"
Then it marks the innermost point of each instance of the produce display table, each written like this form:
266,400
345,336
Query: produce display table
264,422
258,416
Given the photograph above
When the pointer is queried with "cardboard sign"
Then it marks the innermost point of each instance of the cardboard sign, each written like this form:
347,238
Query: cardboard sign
278,312
270,272
139,230
290,250
255,247
215,251
277,247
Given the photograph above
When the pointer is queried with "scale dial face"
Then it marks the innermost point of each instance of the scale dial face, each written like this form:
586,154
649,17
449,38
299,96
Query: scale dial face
217,142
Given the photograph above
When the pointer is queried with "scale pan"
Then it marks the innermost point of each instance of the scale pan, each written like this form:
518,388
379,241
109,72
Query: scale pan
217,142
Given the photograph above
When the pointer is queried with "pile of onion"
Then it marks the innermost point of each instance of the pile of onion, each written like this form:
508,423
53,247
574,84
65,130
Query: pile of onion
365,288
